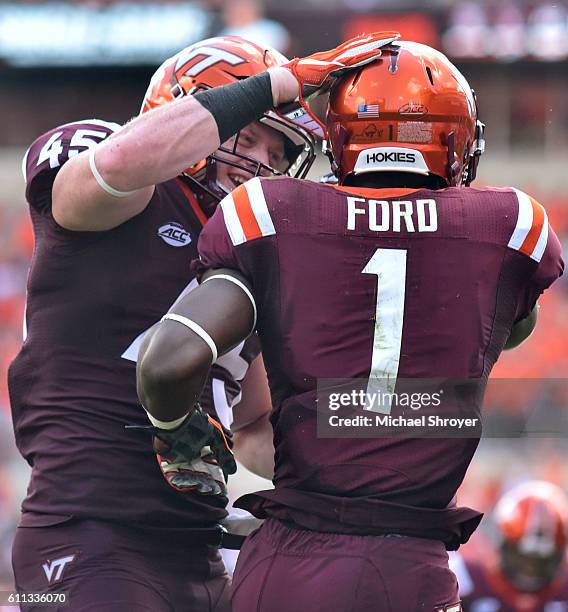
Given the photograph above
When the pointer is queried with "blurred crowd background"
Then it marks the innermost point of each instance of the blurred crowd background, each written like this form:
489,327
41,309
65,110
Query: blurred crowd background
65,61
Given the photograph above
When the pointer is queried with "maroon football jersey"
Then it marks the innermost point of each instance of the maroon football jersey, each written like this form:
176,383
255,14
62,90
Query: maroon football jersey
485,589
378,284
91,297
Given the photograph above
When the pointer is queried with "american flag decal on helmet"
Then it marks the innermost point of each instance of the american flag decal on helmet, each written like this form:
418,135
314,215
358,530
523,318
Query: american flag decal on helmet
367,110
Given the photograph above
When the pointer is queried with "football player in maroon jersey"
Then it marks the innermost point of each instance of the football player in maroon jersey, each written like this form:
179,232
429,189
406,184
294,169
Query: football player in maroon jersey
117,211
528,573
401,274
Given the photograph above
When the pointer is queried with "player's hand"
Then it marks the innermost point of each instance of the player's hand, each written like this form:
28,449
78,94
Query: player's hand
316,74
202,475
195,456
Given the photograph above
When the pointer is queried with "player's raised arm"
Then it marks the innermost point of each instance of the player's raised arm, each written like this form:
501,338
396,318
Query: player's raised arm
114,181
110,183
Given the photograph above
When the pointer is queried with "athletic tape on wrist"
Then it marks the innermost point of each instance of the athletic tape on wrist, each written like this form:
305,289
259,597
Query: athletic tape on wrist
236,105
196,328
166,424
100,180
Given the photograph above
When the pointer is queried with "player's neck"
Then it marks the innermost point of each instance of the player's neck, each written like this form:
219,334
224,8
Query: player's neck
405,180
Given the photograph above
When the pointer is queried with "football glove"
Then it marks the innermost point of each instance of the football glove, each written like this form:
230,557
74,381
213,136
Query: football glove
202,475
195,456
317,73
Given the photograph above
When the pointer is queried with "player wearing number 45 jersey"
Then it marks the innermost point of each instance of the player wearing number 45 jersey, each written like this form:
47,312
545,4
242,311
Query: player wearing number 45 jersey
402,272
117,212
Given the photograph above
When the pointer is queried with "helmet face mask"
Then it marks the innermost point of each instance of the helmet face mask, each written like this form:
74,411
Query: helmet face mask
212,63
414,110
527,572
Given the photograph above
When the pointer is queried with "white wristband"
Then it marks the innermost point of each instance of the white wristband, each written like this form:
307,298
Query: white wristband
100,180
240,284
194,328
166,424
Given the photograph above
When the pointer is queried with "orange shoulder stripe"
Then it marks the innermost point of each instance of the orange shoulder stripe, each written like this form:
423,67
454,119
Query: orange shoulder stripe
532,237
245,213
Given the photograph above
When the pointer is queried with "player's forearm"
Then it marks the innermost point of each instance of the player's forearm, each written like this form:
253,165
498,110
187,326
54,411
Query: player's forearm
162,143
254,447
170,374
167,397
158,145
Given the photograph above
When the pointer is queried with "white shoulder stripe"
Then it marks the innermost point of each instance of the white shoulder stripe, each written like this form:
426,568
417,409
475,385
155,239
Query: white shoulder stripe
260,207
232,221
540,246
524,220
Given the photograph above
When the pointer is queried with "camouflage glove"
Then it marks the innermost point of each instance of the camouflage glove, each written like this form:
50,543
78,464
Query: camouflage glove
195,456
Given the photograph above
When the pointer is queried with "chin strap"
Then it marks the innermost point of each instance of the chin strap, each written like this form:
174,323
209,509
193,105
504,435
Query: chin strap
327,149
453,163
477,151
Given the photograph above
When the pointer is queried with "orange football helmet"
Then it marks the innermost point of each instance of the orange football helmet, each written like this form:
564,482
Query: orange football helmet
220,61
410,111
532,519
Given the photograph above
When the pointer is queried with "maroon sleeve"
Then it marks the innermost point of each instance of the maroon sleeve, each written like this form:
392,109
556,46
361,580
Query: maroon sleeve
549,269
49,152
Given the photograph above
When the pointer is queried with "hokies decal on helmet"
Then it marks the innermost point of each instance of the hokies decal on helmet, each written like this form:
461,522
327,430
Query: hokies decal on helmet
398,159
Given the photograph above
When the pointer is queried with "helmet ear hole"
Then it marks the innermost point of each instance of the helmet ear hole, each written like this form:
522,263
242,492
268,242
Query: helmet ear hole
430,77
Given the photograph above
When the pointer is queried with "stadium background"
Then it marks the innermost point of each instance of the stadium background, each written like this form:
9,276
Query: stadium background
64,61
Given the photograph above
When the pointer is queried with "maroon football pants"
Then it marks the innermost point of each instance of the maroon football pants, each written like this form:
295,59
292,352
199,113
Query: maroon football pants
282,569
104,567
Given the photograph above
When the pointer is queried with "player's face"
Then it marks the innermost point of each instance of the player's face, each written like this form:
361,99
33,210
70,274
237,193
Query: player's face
530,573
259,143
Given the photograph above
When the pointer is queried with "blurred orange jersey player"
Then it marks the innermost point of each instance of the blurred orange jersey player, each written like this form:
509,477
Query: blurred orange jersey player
529,572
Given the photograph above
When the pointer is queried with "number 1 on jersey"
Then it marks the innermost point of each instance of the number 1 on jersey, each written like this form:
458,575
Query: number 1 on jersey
389,265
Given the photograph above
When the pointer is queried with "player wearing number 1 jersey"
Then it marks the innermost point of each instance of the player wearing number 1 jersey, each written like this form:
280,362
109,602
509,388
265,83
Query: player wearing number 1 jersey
402,272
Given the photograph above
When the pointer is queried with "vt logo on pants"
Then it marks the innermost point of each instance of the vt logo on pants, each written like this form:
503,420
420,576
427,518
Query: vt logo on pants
54,569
